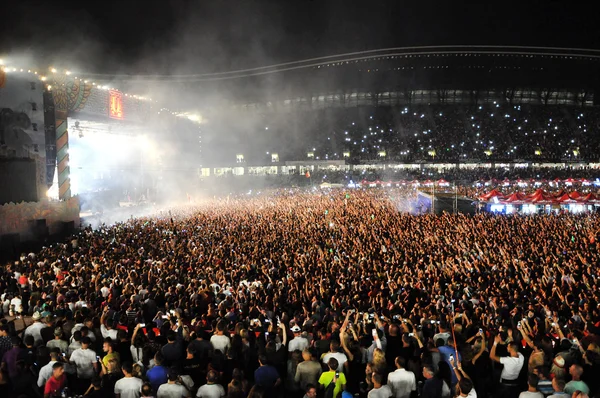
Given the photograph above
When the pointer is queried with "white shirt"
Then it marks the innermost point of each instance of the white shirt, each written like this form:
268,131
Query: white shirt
297,343
472,393
72,347
18,305
45,373
172,391
382,392
129,387
221,343
512,367
62,345
112,333
34,330
529,394
211,391
84,360
402,382
341,358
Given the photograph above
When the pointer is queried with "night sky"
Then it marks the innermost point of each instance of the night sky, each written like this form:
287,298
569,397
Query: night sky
177,37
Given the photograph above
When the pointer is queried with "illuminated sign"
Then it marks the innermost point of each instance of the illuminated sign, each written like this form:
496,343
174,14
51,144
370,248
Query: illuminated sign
115,105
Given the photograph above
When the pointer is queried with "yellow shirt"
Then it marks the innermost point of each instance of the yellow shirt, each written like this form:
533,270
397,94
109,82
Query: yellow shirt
327,377
108,357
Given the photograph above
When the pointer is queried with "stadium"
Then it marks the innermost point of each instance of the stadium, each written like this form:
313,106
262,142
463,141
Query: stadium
418,105
410,222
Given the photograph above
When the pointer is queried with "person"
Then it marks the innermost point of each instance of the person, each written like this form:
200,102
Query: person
299,342
532,388
46,371
106,327
5,342
9,360
147,391
57,382
310,391
158,374
559,388
219,340
544,383
128,386
58,342
173,389
379,389
449,353
86,364
308,371
109,349
111,374
35,328
173,350
465,388
211,389
435,386
95,390
333,376
576,384
402,382
334,352
513,363
266,375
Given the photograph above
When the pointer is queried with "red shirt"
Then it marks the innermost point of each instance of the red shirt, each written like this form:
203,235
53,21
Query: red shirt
55,386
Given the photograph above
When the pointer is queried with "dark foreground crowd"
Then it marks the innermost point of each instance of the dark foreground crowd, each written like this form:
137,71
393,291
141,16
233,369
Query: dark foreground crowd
305,295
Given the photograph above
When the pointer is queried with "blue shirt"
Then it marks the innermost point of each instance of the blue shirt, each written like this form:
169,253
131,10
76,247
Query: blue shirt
445,352
157,376
266,376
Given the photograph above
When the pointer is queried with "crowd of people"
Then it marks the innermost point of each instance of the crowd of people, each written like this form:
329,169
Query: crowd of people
496,131
305,294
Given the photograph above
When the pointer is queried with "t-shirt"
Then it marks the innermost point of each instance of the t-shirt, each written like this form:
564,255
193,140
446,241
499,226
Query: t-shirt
54,386
84,360
157,376
266,376
512,367
221,343
327,377
529,394
576,385
129,387
307,372
112,355
402,382
211,391
172,391
381,392
297,343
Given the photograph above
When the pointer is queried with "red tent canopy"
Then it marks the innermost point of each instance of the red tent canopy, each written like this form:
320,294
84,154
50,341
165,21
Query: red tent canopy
493,193
590,197
441,181
539,197
574,195
564,198
515,197
571,180
557,180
